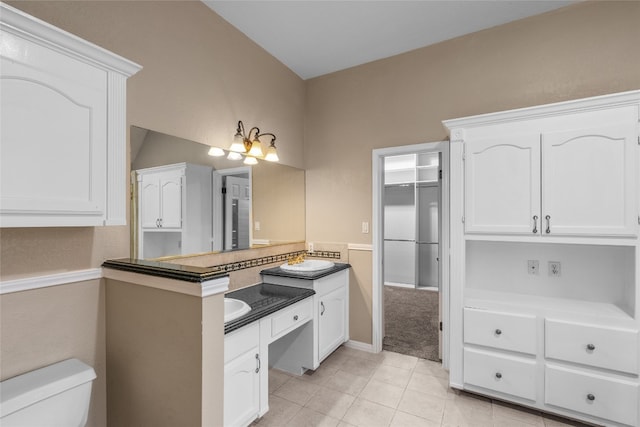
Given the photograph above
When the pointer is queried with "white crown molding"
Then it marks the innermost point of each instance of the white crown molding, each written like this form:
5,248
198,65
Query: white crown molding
31,283
27,26
540,111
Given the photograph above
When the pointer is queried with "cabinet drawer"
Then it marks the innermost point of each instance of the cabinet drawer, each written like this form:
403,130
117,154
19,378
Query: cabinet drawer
609,348
241,341
505,331
290,318
592,394
503,373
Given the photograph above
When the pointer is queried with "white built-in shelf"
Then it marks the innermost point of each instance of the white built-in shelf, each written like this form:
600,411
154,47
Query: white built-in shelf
599,241
575,309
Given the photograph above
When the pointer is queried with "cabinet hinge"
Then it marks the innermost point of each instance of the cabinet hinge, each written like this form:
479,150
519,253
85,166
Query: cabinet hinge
638,219
440,325
224,190
440,174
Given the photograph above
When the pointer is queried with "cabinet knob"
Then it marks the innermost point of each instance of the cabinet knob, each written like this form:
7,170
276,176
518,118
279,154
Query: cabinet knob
498,375
591,397
295,317
498,332
591,347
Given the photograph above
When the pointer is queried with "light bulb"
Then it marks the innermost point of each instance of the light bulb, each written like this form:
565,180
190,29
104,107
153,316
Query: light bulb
250,160
238,144
256,149
216,152
272,155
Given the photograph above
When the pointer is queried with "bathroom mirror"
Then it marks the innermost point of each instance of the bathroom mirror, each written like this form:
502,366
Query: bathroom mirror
260,205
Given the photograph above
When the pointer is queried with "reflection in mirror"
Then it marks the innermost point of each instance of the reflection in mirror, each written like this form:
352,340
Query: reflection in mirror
187,202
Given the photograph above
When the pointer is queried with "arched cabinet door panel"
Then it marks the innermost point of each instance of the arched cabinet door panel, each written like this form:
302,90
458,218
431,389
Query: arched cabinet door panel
588,181
63,133
502,184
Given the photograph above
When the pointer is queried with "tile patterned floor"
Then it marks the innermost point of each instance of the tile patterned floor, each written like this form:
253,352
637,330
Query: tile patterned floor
360,389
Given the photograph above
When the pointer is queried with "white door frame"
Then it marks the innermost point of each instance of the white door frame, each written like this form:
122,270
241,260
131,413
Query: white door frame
377,236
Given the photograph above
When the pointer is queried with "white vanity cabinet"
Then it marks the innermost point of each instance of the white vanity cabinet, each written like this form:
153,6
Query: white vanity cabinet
332,320
175,204
63,120
576,182
330,308
548,186
272,341
242,366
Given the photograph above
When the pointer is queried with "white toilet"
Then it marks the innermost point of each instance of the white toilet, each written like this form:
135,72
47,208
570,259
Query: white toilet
56,395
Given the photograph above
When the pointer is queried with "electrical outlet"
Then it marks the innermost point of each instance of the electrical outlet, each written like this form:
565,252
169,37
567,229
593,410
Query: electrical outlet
365,227
554,268
310,247
256,226
533,267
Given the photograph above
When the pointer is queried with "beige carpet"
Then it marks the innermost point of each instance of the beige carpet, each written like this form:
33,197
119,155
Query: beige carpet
411,322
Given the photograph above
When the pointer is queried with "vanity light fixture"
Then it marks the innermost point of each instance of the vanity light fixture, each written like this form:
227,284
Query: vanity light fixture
244,144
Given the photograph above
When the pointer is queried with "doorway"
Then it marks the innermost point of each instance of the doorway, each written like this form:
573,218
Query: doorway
410,249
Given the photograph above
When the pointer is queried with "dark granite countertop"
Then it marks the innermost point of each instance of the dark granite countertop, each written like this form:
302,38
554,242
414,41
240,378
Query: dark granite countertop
264,299
165,269
306,275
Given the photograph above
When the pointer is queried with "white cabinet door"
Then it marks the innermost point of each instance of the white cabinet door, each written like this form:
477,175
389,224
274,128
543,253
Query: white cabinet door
161,200
149,201
242,389
171,201
332,321
589,185
502,185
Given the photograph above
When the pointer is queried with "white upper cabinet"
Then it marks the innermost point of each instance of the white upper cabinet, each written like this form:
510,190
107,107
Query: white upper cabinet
63,133
161,199
502,188
589,184
565,170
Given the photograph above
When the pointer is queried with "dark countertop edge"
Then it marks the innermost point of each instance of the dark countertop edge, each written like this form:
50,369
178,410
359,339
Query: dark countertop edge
308,275
164,269
252,317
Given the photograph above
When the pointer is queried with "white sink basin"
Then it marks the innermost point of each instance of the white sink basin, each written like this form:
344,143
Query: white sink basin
234,308
308,265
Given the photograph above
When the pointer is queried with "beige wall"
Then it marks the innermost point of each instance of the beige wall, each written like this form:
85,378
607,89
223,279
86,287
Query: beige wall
583,50
42,327
200,77
163,366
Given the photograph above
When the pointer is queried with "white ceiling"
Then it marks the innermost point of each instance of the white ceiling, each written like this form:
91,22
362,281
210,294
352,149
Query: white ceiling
314,38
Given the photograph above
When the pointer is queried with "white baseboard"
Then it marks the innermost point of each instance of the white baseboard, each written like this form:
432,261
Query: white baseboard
357,345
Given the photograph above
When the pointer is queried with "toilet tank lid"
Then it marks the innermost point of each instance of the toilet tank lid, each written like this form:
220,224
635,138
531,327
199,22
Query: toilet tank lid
26,389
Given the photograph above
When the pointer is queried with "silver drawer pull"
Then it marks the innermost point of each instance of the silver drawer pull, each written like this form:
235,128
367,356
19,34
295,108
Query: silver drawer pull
295,317
498,332
257,363
548,218
321,308
498,375
535,224
591,397
591,347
